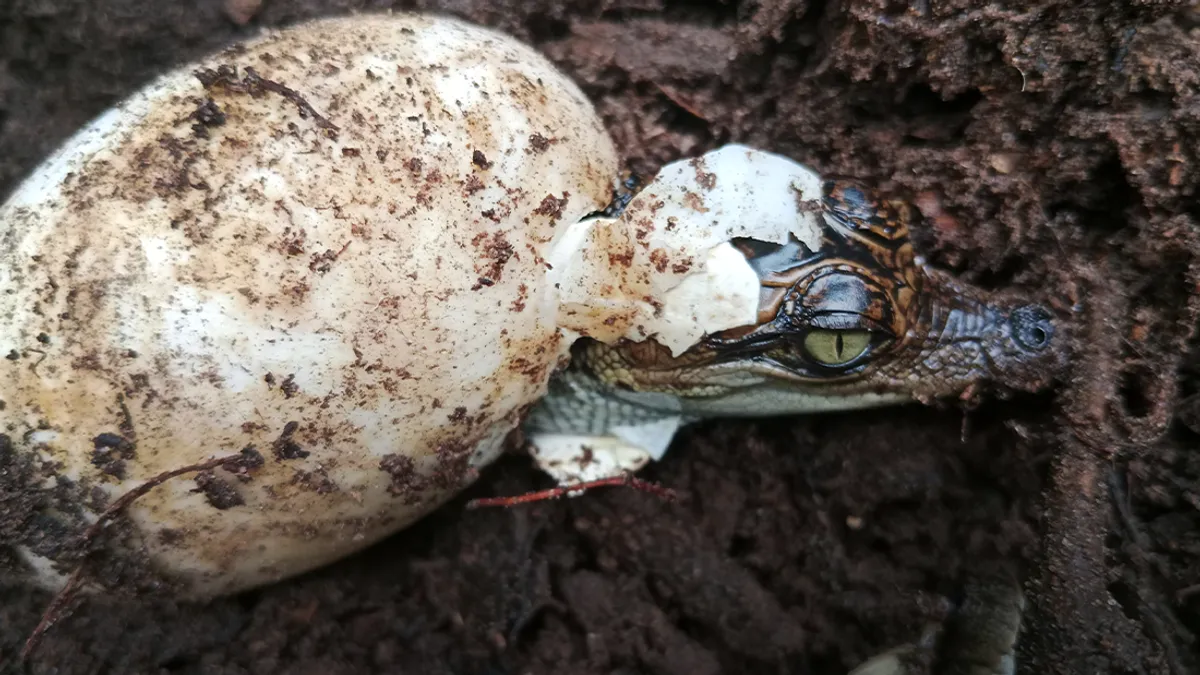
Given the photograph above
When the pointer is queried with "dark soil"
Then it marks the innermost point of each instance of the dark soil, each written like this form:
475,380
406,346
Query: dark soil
1057,147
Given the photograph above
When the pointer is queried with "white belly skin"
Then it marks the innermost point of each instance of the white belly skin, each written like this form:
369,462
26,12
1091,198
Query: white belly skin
768,401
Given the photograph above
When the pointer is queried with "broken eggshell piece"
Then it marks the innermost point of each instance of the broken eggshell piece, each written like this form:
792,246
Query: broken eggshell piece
666,269
326,247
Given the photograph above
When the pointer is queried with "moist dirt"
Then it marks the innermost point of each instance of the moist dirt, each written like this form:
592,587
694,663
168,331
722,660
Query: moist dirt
1054,149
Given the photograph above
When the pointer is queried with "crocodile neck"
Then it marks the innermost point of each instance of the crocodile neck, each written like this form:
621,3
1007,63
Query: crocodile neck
584,400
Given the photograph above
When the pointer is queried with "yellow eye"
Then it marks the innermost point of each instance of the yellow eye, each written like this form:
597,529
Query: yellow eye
836,347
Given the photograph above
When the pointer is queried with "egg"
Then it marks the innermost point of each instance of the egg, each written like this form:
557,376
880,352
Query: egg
325,248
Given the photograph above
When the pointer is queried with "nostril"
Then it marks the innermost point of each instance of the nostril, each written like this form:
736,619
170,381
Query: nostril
1032,327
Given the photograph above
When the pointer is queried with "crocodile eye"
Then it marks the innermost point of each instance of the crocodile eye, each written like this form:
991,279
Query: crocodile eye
836,347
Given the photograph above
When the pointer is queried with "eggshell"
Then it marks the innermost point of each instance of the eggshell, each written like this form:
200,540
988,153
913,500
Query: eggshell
665,269
326,244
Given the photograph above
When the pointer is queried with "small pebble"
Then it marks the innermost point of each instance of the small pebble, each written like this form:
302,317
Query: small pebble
1003,162
242,12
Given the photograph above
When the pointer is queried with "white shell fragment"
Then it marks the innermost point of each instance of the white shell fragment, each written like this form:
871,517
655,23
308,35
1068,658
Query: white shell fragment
665,268
574,459
329,245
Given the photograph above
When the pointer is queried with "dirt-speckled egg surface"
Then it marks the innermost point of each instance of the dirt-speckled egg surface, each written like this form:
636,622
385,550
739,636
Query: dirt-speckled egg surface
299,244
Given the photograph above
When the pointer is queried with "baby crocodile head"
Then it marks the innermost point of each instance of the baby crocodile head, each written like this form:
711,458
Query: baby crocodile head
859,322
862,321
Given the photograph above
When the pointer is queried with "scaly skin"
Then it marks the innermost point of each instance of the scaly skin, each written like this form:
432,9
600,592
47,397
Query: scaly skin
927,336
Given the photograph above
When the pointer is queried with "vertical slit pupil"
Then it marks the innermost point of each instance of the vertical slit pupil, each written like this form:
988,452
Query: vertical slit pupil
838,346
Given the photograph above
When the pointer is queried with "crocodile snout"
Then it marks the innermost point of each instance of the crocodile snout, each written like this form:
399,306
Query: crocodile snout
1032,328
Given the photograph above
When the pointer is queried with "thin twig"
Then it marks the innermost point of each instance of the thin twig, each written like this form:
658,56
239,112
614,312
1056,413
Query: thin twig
56,611
254,84
1186,592
136,493
624,480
